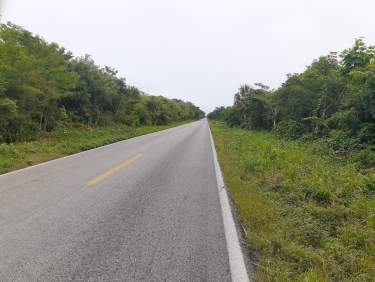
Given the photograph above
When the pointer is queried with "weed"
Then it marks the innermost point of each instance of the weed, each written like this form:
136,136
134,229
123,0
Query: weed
309,215
67,141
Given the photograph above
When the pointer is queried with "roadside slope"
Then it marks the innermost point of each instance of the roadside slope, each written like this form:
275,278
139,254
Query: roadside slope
307,218
68,141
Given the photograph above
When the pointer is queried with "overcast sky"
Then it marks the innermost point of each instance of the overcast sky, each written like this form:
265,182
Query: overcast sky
199,50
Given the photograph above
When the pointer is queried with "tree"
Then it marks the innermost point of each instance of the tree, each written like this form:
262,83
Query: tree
42,87
357,57
332,99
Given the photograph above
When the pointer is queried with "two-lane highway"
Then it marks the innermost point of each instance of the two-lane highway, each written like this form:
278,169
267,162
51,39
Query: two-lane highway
144,209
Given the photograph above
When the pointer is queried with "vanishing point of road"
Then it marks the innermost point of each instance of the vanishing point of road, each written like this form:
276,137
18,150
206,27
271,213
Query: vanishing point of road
143,209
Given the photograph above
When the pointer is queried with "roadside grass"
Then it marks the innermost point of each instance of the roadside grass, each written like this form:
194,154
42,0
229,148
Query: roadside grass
67,141
307,217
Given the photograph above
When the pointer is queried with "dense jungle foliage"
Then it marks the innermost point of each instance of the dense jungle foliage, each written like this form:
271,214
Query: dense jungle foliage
333,99
43,87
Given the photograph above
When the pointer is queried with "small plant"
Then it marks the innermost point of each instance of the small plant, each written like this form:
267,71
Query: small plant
65,141
309,215
365,159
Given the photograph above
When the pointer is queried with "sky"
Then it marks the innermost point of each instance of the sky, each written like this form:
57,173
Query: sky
198,50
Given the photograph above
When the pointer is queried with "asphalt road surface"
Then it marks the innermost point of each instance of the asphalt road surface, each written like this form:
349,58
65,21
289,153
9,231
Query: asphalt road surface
144,209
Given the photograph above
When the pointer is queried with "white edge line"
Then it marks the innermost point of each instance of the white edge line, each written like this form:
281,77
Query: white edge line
88,151
236,260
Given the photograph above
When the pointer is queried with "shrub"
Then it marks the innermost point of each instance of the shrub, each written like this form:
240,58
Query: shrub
289,129
365,158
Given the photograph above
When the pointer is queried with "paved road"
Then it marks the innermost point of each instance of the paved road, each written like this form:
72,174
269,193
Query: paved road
144,209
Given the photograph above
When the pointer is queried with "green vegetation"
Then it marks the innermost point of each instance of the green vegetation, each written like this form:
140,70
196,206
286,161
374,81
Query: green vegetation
299,161
307,218
52,104
332,100
66,141
44,88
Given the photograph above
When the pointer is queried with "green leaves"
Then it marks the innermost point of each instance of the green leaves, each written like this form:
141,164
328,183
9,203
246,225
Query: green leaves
42,87
8,108
359,56
331,99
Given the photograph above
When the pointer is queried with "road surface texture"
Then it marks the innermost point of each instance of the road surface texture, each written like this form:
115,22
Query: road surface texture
144,209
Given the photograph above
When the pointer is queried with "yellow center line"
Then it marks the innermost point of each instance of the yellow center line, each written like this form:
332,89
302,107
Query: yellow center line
113,170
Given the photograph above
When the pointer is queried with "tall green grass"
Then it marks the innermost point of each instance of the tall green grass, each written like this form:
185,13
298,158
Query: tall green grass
307,217
67,141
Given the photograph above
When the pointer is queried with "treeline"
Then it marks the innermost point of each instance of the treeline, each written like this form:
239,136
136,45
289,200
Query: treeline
42,87
334,98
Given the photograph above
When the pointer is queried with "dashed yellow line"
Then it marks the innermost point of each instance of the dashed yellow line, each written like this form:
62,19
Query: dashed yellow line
113,170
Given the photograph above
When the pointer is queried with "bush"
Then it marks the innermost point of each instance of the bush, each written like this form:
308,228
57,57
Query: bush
289,129
308,217
365,158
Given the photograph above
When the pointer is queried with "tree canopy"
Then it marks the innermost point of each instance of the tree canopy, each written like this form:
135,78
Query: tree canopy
333,98
42,86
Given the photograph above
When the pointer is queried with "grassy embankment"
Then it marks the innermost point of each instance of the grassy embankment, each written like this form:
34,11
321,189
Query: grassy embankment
308,217
65,142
